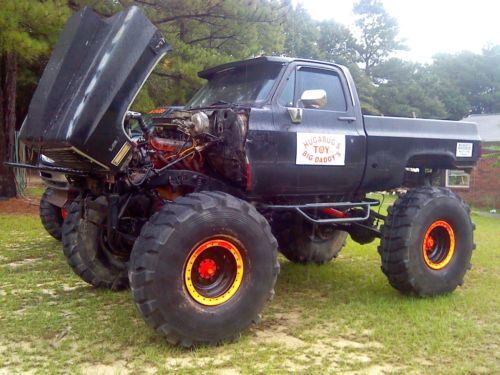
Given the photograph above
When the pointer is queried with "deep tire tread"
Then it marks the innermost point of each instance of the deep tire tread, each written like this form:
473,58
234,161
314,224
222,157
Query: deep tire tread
51,216
156,233
394,246
72,250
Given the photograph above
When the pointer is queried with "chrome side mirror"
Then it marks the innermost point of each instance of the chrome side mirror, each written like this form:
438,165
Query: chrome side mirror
309,99
313,99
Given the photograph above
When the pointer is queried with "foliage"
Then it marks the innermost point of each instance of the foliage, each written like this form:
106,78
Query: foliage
301,34
405,89
379,33
206,33
336,43
475,76
450,88
366,90
29,27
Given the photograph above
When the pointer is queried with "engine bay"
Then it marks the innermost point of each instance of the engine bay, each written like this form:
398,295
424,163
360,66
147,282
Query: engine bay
211,142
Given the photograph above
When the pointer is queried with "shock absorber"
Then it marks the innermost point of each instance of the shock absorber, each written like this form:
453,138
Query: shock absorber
113,200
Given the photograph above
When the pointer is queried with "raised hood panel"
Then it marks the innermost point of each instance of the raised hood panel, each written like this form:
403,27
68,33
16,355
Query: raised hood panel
95,71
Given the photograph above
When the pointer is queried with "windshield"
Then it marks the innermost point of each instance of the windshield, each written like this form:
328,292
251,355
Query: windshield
243,85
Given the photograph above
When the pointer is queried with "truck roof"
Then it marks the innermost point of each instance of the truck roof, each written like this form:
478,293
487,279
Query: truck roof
208,73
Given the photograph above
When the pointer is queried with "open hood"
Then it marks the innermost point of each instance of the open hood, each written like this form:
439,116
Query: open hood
96,69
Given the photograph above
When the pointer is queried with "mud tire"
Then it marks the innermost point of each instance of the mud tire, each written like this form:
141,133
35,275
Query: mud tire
299,243
159,257
51,216
85,255
403,233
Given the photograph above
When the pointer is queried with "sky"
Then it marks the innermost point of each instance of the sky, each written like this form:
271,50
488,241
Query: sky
427,26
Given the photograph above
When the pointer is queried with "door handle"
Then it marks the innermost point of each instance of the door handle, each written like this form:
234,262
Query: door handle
344,118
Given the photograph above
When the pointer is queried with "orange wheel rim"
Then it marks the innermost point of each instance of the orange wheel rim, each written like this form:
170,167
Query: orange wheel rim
213,272
438,245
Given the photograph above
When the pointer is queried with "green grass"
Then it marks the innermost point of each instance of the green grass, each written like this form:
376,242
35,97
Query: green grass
340,317
34,191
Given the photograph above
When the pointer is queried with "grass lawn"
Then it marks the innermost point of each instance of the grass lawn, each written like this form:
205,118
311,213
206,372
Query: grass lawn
342,317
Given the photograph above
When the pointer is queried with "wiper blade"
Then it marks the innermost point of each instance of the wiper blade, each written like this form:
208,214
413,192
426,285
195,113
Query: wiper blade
215,104
221,102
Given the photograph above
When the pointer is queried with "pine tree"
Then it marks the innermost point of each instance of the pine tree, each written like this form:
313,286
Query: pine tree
28,30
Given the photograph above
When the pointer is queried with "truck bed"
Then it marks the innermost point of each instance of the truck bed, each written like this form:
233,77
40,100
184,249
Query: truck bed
394,143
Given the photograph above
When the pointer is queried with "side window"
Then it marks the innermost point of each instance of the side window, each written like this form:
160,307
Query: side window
286,97
319,79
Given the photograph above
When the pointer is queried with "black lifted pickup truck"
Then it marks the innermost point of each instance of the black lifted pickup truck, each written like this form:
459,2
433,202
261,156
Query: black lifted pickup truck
273,153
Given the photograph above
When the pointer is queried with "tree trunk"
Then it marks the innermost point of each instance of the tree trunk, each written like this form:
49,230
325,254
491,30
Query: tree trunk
8,79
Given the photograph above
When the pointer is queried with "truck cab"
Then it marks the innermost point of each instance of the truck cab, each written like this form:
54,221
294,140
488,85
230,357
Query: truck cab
318,143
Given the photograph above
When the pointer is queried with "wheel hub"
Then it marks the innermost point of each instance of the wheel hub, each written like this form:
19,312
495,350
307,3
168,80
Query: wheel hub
213,272
429,243
438,245
207,268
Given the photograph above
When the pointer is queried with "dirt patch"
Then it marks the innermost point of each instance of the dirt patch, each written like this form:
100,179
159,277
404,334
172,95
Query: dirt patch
117,367
291,318
375,370
278,337
348,339
70,288
195,362
227,371
342,343
322,345
18,206
22,263
277,330
49,292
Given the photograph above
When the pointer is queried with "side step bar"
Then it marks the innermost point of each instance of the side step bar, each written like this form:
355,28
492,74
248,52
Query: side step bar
303,208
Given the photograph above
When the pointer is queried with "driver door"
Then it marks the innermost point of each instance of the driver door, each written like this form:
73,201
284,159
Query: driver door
323,152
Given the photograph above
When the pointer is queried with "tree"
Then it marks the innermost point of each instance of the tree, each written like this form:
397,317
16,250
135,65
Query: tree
301,34
474,77
366,90
405,89
330,41
378,33
447,92
29,28
336,43
206,33
202,33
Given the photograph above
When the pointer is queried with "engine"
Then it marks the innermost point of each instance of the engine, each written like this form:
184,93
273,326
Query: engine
209,141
